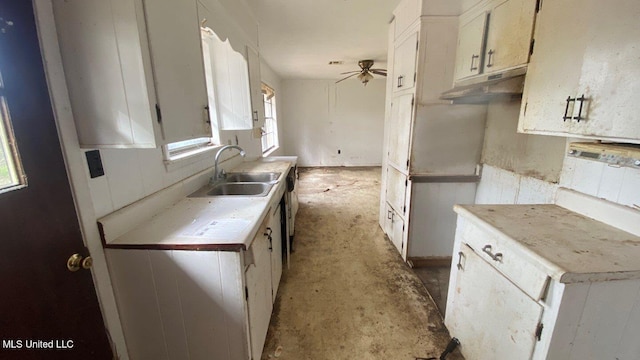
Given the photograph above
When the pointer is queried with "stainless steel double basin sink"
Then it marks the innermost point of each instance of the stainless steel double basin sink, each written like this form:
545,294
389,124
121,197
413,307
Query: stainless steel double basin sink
240,184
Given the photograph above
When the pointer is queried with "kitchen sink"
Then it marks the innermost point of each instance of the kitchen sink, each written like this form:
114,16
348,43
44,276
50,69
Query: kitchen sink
235,189
268,177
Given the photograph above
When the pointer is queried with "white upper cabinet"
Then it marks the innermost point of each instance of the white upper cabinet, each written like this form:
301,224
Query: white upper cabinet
406,14
255,88
404,63
495,37
583,77
509,35
399,139
134,71
470,47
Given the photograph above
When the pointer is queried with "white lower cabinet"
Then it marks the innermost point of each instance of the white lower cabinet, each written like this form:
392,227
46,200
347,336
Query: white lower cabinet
274,235
540,282
188,304
505,332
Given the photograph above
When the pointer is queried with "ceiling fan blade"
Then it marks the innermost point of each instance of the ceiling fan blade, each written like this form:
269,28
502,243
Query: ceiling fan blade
348,77
349,72
379,69
377,72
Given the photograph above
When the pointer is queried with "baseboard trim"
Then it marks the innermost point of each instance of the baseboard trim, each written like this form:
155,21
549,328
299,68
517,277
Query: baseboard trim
422,262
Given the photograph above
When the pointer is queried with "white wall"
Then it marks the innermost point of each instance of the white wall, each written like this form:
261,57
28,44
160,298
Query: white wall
321,117
528,169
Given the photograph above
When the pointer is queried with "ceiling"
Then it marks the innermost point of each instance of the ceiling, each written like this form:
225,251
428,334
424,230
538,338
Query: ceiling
298,38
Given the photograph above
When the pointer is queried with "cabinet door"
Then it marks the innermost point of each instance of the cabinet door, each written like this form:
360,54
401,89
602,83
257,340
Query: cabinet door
255,87
275,231
397,234
396,189
593,56
400,131
491,317
470,46
509,35
174,41
404,63
259,303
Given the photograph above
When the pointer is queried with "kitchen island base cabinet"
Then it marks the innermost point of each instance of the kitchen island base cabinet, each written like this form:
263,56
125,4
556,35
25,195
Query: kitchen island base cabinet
507,302
183,304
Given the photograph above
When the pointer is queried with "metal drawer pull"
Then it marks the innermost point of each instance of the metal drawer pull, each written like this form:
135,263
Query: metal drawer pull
490,53
566,109
581,99
400,81
389,216
460,256
495,257
473,58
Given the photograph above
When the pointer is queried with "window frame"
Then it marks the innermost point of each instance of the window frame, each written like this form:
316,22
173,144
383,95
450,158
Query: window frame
9,148
269,99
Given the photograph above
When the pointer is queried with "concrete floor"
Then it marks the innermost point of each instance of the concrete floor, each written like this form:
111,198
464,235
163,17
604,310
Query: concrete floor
436,280
348,294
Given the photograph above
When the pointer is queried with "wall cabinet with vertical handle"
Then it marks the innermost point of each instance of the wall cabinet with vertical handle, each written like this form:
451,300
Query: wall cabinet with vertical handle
582,79
404,69
134,71
494,36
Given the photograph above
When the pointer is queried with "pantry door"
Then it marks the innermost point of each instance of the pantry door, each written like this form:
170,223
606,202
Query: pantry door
41,300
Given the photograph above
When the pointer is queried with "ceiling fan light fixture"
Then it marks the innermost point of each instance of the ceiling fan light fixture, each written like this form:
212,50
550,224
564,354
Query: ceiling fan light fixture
365,77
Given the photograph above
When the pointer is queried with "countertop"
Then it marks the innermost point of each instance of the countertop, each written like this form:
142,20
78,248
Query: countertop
573,247
206,223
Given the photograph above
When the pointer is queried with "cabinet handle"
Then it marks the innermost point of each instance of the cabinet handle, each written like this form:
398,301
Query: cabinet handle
495,257
473,59
400,81
581,99
566,109
460,256
490,53
268,235
207,114
255,115
389,212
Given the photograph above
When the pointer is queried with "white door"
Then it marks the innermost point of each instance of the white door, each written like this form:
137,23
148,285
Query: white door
509,35
470,45
492,318
178,69
275,232
259,303
400,131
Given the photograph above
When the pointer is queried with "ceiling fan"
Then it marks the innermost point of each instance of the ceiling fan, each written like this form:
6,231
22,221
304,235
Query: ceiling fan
364,74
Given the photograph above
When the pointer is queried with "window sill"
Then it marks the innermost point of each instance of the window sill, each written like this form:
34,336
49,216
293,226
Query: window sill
191,157
270,151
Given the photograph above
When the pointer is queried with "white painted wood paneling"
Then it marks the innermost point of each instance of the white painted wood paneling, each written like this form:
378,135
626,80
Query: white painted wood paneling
432,222
599,335
132,275
404,62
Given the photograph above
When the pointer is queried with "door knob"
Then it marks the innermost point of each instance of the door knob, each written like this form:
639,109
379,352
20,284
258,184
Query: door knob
76,261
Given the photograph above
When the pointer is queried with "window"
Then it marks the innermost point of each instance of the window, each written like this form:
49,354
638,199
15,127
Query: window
270,129
11,176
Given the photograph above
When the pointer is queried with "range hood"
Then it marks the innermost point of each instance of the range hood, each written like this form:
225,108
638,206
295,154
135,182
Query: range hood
615,154
507,84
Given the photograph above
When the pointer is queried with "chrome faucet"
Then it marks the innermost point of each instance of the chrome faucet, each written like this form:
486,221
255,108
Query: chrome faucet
217,176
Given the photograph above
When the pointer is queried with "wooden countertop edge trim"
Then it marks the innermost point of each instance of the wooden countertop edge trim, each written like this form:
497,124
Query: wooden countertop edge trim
186,247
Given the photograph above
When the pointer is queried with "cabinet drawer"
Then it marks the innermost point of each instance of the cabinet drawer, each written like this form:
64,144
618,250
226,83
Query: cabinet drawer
513,265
